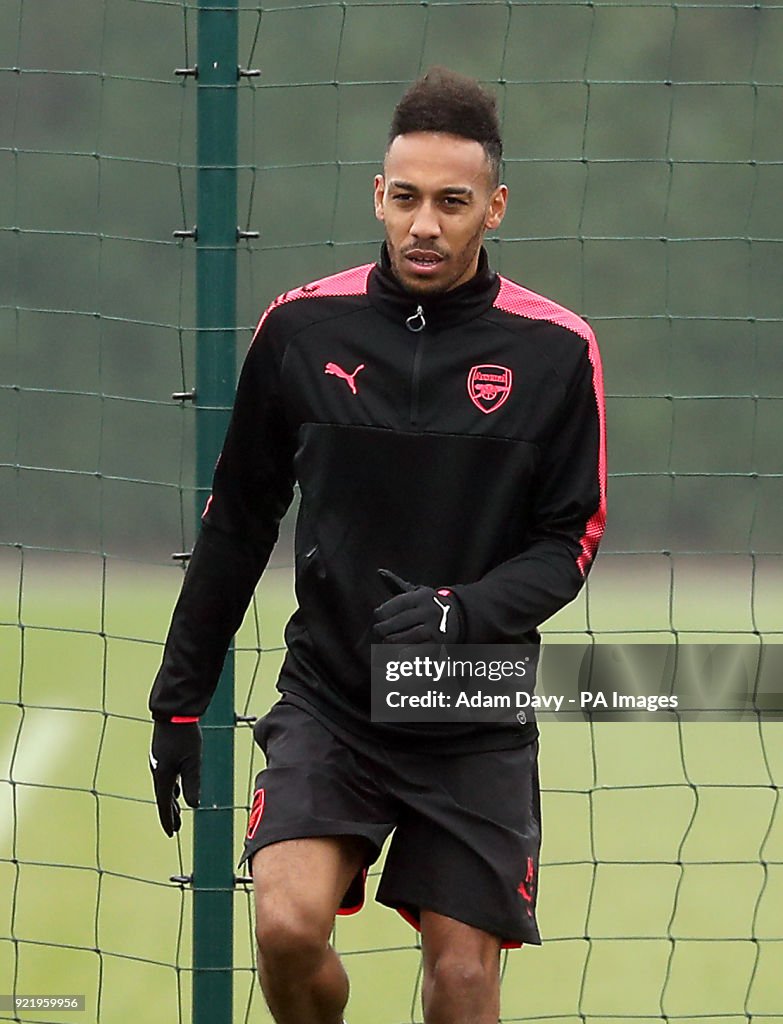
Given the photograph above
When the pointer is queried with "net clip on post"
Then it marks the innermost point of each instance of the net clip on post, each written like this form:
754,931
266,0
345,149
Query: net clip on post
186,233
241,233
187,72
181,880
181,556
248,73
184,396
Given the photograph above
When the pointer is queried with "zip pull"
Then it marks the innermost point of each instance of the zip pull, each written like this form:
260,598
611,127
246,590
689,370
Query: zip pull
416,322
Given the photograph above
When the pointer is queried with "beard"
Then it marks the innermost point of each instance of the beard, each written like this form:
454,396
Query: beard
455,268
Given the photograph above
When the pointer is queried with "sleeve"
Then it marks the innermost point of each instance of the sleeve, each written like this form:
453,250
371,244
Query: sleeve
568,520
252,489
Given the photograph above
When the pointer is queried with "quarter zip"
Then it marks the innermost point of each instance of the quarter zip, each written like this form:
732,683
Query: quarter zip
416,324
416,321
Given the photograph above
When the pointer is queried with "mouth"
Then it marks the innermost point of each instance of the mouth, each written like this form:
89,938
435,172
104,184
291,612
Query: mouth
424,260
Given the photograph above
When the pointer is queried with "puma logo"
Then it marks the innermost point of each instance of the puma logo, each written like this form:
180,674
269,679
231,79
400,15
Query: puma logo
349,378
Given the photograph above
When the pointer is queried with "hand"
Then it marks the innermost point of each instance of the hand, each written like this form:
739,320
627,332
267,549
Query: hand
175,752
417,614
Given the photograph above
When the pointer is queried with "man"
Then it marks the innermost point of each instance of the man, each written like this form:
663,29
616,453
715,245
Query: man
445,427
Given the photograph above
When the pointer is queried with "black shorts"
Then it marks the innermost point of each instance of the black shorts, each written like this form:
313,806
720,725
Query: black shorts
466,827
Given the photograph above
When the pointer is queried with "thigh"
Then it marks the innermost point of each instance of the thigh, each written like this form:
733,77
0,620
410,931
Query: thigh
467,845
304,880
443,937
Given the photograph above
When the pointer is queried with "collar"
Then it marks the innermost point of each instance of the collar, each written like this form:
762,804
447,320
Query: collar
439,311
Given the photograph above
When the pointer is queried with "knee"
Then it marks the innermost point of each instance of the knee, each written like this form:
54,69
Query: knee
291,941
461,977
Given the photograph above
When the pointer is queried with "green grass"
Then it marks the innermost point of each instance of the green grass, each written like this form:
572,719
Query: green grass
662,877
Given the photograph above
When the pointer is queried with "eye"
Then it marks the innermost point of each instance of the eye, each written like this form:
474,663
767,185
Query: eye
453,202
402,197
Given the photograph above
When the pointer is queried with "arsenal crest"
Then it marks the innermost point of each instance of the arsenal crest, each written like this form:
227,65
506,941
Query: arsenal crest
489,386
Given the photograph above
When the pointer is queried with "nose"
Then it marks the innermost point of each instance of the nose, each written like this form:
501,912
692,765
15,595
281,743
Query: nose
425,222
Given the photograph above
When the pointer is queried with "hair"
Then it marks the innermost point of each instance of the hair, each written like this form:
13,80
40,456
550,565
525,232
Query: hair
445,101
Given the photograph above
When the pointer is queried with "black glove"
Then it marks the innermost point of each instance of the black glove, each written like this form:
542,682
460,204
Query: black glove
175,752
417,615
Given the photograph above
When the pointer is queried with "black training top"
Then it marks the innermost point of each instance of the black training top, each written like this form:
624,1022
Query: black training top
457,440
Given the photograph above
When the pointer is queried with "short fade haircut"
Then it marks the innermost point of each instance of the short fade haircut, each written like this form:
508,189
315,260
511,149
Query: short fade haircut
445,101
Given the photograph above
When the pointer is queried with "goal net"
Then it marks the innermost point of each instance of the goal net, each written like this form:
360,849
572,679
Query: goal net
644,158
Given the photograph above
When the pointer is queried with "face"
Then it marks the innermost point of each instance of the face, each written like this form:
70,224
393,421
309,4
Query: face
436,199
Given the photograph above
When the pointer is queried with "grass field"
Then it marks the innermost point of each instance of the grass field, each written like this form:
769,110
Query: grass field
662,881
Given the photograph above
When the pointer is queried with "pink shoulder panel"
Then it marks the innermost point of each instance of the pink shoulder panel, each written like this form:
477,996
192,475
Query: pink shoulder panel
513,298
348,282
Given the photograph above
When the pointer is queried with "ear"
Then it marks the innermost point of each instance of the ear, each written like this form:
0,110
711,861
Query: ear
496,210
380,188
